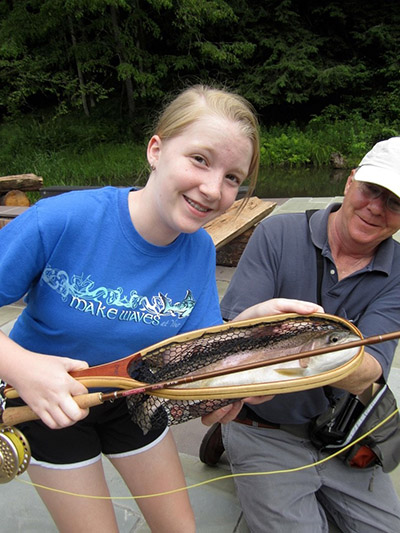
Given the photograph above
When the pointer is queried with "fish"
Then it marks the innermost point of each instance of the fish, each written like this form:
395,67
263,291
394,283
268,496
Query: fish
228,349
280,371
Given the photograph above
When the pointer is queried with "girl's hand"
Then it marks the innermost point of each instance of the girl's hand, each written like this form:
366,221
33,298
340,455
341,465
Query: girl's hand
48,389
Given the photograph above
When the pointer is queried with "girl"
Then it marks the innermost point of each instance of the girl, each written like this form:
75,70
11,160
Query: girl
106,273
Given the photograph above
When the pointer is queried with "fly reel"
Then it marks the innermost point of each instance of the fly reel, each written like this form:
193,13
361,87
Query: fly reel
15,453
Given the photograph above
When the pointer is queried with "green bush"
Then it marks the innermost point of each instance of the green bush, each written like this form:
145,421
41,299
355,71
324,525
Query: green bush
334,131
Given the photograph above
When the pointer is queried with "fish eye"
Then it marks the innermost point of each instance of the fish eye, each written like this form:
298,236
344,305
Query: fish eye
334,338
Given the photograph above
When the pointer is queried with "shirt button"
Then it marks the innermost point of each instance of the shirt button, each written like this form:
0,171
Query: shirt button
332,271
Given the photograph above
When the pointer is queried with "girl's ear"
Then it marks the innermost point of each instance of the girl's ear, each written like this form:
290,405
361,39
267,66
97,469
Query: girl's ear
153,151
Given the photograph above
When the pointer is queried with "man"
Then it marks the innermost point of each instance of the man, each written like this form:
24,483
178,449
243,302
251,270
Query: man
360,282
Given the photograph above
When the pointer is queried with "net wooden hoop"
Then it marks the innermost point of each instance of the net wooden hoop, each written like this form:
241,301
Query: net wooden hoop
258,389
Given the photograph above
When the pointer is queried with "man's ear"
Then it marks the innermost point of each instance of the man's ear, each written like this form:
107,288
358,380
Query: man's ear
349,180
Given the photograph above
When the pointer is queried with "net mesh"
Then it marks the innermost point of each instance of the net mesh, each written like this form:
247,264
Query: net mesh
2,397
207,353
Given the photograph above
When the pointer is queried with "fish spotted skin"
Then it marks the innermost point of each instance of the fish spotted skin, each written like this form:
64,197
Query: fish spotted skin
233,346
229,348
281,371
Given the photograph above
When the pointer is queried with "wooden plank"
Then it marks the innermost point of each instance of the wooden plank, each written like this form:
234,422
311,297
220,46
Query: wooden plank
23,182
11,211
232,223
7,213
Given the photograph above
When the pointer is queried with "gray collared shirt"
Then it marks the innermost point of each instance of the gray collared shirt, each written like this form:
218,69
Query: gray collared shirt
280,262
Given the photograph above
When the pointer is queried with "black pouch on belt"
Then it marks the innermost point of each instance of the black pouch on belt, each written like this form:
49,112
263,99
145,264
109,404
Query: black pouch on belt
350,418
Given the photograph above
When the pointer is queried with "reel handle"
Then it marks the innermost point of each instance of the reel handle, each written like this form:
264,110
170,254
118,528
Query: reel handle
15,415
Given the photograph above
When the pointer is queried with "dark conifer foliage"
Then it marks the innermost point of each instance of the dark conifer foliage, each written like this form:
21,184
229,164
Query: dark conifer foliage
292,58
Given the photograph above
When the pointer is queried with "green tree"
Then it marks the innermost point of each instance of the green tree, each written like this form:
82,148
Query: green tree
71,52
310,54
291,58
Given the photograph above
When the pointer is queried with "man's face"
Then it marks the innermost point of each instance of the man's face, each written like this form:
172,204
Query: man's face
369,219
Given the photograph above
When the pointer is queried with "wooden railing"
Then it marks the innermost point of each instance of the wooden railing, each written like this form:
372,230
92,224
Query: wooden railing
13,197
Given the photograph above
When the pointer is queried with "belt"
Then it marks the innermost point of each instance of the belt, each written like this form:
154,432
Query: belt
249,418
254,423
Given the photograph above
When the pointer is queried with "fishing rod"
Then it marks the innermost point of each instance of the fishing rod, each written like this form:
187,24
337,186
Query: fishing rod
16,415
15,450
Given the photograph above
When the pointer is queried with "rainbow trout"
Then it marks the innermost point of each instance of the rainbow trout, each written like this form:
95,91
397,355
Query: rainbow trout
279,371
228,349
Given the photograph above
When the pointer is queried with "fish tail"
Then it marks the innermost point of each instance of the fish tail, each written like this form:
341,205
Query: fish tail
147,412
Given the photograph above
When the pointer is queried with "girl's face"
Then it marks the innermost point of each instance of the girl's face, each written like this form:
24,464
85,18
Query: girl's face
197,174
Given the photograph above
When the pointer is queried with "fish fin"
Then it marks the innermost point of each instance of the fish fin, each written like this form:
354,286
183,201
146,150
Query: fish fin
290,371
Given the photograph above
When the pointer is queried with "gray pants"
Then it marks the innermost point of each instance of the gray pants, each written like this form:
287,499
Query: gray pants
362,501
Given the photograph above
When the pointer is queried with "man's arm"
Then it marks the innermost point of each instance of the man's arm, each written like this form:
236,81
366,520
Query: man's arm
367,373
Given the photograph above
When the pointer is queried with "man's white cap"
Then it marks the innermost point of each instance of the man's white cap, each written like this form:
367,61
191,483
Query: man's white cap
381,165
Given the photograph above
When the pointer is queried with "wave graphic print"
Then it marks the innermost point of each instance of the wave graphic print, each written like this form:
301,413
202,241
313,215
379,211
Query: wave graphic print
83,288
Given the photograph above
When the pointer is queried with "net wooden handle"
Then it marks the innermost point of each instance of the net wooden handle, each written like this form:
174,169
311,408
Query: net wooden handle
15,415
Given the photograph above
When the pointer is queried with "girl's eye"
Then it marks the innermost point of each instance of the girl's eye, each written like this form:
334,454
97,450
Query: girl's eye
232,177
199,159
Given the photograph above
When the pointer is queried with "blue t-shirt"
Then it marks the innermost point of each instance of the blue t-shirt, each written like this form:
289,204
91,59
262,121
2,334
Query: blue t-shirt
280,262
95,289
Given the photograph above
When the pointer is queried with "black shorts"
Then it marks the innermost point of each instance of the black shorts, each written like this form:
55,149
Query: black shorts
107,429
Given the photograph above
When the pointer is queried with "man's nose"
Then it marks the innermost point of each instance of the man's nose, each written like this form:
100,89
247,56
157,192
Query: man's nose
378,204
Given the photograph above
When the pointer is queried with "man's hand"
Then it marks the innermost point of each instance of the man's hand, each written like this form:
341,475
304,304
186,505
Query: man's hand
277,306
229,412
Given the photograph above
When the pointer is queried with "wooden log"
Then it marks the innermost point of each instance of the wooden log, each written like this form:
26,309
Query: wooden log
234,222
22,182
15,198
231,231
230,254
4,221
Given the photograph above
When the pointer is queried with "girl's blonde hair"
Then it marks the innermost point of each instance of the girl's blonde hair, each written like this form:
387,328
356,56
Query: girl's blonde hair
199,100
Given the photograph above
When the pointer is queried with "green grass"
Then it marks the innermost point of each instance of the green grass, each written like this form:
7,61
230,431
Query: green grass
72,150
104,164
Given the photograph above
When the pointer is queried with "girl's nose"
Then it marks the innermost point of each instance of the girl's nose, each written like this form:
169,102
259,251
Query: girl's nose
212,187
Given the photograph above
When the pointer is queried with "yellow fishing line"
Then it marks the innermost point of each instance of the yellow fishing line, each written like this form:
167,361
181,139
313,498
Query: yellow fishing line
220,478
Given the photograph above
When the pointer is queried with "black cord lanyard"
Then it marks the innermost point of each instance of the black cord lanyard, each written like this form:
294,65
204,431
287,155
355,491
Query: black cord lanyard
320,270
320,261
